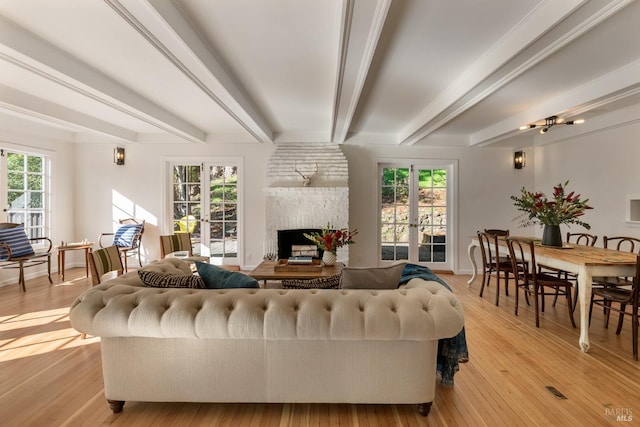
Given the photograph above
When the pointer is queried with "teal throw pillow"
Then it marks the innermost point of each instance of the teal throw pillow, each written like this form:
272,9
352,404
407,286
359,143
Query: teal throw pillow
218,278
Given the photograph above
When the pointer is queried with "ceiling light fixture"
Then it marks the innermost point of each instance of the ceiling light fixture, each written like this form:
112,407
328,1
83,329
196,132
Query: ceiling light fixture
551,121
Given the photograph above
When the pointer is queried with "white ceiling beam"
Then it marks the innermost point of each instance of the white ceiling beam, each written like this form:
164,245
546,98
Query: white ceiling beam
625,81
362,23
38,109
544,17
167,29
36,55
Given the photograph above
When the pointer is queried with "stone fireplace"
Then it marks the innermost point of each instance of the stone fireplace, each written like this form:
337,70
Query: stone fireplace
290,205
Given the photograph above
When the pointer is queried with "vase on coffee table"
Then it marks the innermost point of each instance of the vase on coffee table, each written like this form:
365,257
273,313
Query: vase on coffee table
329,258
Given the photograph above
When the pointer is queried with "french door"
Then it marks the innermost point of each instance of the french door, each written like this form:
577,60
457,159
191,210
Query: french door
416,213
205,202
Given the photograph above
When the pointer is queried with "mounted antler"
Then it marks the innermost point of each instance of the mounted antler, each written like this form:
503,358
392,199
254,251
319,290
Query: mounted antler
306,179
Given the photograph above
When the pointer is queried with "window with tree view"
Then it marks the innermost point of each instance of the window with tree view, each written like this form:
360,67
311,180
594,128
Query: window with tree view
413,214
26,196
205,204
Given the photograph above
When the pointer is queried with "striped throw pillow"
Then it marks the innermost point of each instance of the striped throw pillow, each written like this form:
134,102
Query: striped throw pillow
17,241
124,235
164,280
330,282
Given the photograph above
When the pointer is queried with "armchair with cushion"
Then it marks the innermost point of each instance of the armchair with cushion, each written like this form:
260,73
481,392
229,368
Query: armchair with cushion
16,250
127,238
179,245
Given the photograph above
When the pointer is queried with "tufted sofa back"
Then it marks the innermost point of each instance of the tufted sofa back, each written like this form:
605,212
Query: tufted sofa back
122,307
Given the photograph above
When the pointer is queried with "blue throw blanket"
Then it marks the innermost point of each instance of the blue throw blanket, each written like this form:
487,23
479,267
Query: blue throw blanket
451,351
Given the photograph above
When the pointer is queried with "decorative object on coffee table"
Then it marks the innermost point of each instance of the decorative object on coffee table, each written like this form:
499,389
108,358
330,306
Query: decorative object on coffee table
329,240
329,258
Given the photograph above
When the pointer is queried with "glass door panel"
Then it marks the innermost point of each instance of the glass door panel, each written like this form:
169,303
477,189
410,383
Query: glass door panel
223,204
432,215
187,204
394,214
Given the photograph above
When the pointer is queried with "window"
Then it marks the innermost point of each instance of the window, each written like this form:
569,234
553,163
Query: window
24,190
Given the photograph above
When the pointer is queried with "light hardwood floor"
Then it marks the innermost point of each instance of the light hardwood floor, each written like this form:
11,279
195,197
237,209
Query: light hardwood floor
50,377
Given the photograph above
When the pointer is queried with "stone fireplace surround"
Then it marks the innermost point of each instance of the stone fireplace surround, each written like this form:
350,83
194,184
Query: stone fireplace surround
291,206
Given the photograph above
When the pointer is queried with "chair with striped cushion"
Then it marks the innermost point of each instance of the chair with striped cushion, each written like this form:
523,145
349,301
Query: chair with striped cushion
103,261
179,245
16,250
128,238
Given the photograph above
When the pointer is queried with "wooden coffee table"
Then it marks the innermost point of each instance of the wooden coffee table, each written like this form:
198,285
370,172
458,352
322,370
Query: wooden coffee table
266,271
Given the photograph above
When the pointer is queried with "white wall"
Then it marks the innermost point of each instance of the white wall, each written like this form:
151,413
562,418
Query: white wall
486,179
602,166
107,192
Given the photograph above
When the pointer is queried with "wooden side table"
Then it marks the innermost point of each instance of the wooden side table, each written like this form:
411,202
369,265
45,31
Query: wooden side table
61,249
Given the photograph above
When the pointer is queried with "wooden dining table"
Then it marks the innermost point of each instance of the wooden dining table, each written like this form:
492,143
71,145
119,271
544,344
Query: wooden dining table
586,262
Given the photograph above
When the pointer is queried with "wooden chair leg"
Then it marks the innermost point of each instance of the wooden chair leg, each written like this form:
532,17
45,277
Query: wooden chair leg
484,279
623,307
634,333
536,304
607,313
49,270
21,277
570,307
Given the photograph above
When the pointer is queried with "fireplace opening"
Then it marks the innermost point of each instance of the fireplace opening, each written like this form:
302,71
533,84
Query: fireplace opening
294,243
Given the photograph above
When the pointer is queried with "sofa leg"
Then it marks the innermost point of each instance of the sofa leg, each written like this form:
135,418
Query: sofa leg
424,408
116,405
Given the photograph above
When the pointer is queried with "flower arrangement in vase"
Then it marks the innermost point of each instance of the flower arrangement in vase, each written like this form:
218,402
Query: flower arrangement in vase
330,239
561,208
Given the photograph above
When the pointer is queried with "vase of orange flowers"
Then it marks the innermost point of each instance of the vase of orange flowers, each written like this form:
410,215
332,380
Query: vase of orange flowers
329,240
562,208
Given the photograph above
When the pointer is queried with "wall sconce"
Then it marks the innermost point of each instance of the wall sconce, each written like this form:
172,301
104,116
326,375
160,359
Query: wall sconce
519,159
118,156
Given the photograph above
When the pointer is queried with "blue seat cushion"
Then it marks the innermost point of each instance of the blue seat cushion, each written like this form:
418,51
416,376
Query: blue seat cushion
18,242
219,278
124,235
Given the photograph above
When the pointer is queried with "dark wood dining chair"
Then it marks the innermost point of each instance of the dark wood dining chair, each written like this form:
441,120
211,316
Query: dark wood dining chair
497,232
624,298
619,243
533,282
585,239
493,265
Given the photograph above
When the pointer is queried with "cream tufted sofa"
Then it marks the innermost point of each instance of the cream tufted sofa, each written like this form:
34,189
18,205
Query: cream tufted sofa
267,345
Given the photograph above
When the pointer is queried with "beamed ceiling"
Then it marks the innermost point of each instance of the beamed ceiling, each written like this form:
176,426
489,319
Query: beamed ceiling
397,72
